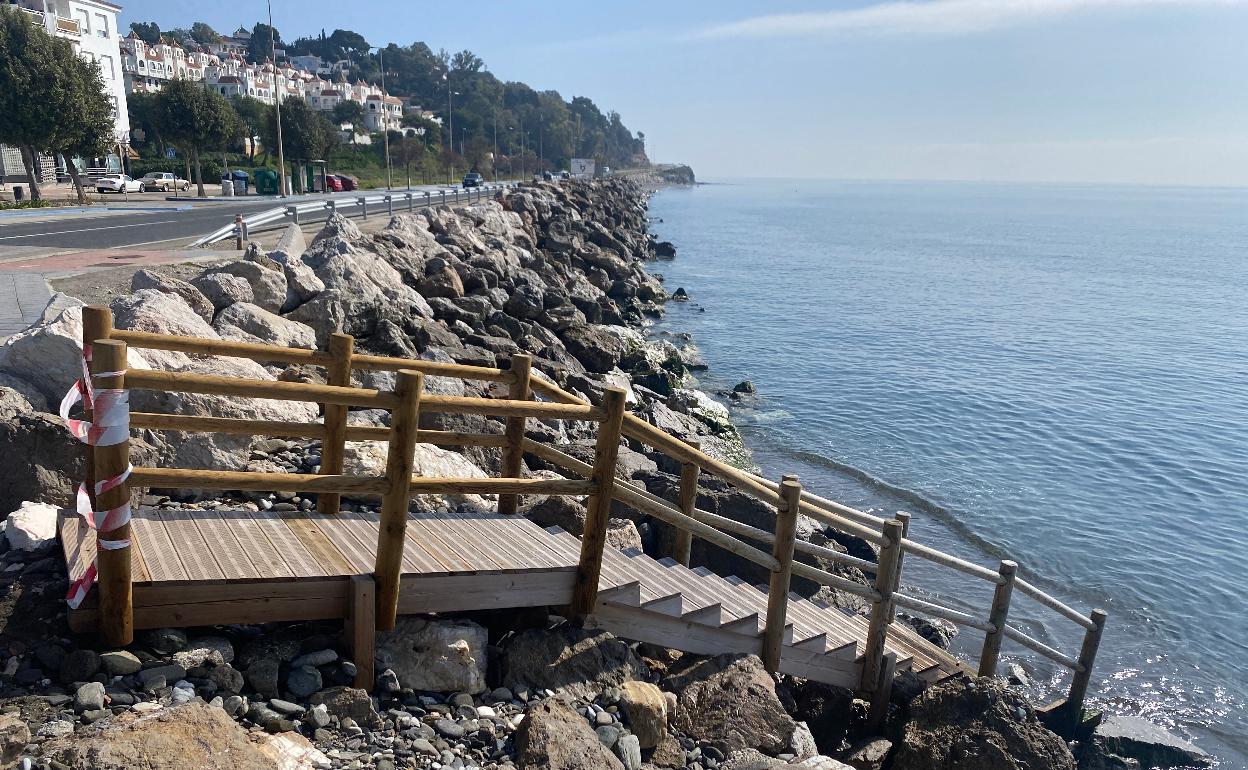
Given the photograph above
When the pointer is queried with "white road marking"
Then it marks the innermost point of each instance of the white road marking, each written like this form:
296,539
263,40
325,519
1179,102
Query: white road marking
87,229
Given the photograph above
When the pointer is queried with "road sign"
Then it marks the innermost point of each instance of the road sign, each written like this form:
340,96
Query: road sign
582,167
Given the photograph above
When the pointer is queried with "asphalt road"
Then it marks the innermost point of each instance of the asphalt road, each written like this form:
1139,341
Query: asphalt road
177,227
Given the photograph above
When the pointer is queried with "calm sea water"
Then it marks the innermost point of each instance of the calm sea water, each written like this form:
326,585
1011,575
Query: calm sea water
1056,375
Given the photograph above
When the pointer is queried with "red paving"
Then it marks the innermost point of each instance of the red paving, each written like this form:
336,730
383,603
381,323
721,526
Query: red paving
100,258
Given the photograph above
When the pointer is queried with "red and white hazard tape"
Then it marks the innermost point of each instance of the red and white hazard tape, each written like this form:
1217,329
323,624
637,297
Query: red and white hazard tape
110,425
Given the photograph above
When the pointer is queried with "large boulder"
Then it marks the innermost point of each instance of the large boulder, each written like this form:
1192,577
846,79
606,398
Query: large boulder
39,461
1139,739
251,323
730,702
195,299
576,661
32,527
190,735
290,246
553,736
20,397
595,346
977,724
435,655
268,286
13,403
646,708
368,458
223,289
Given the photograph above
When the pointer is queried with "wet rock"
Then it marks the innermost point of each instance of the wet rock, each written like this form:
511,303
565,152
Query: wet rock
977,724
553,736
730,702
1152,746
938,632
435,655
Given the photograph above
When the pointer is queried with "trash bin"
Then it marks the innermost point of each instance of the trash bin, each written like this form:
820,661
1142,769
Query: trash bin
266,181
18,193
227,187
241,181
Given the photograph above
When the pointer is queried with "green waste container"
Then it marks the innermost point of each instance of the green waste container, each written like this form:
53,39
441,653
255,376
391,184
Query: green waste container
266,181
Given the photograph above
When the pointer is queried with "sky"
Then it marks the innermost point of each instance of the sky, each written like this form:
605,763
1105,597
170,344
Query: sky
1086,91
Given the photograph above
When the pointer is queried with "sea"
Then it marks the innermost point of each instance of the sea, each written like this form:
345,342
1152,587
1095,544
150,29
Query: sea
1052,374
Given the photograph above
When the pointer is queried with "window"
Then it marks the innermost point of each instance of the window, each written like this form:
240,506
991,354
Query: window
101,25
142,64
106,67
84,20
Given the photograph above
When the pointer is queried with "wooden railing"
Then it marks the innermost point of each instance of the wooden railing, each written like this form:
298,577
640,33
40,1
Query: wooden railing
599,482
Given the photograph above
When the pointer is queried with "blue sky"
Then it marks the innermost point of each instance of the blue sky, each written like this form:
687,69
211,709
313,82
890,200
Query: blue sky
1131,91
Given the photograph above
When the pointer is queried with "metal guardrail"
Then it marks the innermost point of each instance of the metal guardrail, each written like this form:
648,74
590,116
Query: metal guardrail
357,206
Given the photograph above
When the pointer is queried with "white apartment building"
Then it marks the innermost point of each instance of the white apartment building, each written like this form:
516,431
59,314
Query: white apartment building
91,28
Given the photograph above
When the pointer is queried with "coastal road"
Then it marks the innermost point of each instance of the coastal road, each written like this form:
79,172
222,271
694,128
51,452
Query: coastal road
175,225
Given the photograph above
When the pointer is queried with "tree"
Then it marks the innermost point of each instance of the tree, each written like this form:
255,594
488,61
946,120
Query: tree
467,61
253,116
203,34
259,46
148,31
85,127
306,133
195,118
350,111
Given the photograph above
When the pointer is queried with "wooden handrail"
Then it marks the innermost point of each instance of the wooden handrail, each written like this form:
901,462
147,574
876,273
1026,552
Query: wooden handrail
438,368
186,478
274,428
207,347
182,382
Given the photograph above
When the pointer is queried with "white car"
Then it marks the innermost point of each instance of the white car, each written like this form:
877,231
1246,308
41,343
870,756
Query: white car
164,181
119,183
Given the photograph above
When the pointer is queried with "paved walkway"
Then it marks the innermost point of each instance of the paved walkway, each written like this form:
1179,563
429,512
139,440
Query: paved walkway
23,297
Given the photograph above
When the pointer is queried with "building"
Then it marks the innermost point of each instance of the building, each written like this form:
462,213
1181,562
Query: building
91,28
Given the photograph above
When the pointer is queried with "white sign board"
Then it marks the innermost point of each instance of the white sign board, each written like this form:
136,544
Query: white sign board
582,167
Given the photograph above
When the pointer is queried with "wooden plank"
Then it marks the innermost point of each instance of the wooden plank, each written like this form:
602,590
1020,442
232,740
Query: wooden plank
449,593
368,531
339,531
568,547
493,537
453,532
421,530
191,549
553,551
362,628
263,556
231,555
161,555
79,550
322,549
287,545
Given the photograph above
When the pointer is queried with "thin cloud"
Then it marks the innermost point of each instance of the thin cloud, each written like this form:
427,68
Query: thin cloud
931,17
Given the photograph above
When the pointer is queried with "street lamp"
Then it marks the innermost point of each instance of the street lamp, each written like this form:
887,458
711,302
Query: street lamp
385,119
277,105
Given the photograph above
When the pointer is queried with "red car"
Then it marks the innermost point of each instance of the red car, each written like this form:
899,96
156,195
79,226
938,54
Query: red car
333,184
349,183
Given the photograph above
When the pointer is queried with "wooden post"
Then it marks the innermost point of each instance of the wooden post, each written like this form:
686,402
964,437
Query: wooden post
1087,656
391,537
881,611
362,628
97,324
787,505
513,453
113,565
607,448
683,543
998,616
341,347
904,518
877,711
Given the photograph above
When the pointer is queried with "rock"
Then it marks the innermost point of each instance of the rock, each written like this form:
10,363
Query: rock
1018,675
39,461
227,678
435,655
303,681
268,287
646,708
559,511
194,298
166,641
938,632
870,755
629,752
120,662
828,711
802,745
214,650
368,458
223,290
32,527
347,703
745,386
89,697
596,347
977,724
730,702
317,658
302,285
292,751
622,535
14,735
48,355
553,736
193,735
1152,746
579,662
262,675
250,323
14,402
290,246
79,666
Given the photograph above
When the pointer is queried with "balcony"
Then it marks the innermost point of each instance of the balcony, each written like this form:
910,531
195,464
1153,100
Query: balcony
69,26
36,16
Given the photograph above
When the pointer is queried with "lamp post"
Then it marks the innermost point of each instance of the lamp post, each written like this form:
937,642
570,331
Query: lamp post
277,106
385,118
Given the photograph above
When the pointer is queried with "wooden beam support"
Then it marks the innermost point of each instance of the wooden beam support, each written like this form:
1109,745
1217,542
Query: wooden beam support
338,373
881,611
787,504
362,628
513,453
391,536
97,324
1083,675
113,564
606,450
683,543
998,616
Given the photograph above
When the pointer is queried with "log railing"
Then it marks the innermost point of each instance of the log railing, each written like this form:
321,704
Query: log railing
524,385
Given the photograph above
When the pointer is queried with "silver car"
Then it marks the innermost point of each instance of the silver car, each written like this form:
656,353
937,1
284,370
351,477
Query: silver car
119,183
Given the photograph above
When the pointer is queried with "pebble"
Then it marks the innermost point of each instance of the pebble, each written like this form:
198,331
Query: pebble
285,706
89,697
449,729
604,718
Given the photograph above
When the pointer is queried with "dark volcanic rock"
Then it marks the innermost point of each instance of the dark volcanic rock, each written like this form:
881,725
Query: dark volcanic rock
553,736
568,658
730,702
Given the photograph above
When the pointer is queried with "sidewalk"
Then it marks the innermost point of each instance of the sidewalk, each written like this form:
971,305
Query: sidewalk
23,297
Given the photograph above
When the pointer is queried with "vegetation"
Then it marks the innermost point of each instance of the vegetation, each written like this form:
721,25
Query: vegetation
307,134
148,31
26,204
194,118
51,101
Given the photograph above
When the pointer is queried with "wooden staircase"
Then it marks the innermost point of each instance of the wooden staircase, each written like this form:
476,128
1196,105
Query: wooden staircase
697,611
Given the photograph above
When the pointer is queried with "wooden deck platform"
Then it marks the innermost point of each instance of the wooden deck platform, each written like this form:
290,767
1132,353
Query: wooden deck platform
211,567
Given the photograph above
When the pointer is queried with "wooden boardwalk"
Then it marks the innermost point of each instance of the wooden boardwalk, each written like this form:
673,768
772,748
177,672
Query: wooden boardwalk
238,566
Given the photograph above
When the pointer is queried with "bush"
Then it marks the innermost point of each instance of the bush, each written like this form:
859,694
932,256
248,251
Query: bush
24,204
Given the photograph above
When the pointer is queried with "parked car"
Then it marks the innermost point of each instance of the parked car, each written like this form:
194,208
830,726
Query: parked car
547,176
119,183
333,183
565,175
349,182
473,179
164,181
